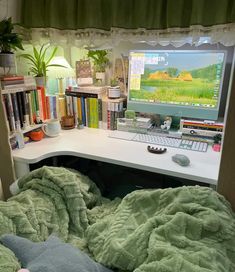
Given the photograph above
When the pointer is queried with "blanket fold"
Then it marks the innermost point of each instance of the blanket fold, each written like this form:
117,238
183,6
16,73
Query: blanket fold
166,230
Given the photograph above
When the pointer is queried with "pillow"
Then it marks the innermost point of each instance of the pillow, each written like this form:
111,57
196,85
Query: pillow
50,256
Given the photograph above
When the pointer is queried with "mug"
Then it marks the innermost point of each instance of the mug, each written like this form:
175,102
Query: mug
52,127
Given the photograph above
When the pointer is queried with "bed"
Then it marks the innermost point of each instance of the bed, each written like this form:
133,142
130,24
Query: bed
190,228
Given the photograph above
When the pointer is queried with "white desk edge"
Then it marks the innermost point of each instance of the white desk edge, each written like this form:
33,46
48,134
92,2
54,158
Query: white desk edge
96,145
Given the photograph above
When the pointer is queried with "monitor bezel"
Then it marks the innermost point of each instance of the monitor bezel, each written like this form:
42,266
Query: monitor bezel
174,109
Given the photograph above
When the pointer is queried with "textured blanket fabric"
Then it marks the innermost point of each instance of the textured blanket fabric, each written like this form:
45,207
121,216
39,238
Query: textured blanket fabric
183,229
51,255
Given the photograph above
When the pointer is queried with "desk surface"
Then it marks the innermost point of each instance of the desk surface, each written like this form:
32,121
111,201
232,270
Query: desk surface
95,144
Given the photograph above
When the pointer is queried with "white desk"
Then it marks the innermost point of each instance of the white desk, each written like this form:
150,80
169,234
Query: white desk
95,144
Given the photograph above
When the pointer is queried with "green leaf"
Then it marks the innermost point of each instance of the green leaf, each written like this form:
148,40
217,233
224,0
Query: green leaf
52,55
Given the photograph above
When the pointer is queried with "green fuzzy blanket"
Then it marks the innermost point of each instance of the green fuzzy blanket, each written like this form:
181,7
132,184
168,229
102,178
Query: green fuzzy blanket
187,229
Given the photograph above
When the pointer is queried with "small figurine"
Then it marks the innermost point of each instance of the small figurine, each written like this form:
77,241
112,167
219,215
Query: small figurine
167,123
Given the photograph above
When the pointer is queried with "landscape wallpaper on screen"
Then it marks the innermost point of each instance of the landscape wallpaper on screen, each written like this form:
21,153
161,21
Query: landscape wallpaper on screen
181,79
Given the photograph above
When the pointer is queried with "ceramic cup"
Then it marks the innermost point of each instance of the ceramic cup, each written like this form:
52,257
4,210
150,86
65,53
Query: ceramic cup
52,127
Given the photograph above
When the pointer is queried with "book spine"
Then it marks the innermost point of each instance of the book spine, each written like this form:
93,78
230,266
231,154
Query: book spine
36,103
57,106
99,101
39,96
88,112
25,107
108,115
11,113
11,82
83,111
86,115
67,105
4,100
29,96
75,107
79,108
71,105
48,107
54,107
62,107
20,104
80,94
15,110
96,113
12,78
104,114
43,96
51,107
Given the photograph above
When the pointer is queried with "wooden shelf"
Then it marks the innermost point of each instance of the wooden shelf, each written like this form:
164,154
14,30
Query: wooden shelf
28,129
16,89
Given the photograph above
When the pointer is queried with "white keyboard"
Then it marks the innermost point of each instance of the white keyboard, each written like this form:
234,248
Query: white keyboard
160,140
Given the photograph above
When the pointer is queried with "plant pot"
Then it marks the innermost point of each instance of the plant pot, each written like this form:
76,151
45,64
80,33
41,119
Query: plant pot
67,122
40,81
100,77
7,61
114,92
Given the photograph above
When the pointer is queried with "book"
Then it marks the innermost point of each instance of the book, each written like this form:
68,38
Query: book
31,114
20,104
10,112
79,94
100,91
10,83
25,108
11,78
83,110
5,108
15,110
62,107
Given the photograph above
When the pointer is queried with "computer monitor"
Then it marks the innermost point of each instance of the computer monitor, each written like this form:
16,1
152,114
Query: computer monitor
185,83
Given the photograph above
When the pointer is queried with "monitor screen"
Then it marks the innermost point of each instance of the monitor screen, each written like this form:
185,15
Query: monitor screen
185,83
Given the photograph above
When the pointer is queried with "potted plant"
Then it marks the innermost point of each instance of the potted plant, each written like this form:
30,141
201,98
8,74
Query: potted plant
9,41
114,90
40,62
100,61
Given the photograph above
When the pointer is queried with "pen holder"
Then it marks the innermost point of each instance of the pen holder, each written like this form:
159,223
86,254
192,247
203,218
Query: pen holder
67,122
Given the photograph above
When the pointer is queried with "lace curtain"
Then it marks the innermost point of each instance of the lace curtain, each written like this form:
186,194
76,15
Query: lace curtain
105,23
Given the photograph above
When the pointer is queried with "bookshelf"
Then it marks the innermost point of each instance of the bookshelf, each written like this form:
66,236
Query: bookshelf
12,88
7,174
96,111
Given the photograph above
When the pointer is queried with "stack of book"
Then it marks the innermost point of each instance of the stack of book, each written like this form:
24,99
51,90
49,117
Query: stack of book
112,109
85,104
92,107
12,82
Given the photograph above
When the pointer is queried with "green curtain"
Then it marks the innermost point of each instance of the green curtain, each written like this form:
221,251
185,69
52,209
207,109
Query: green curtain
128,14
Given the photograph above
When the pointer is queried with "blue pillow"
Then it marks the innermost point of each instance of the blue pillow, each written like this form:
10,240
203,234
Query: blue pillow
50,256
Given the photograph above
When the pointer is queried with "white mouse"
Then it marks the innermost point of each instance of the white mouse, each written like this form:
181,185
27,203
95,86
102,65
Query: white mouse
181,159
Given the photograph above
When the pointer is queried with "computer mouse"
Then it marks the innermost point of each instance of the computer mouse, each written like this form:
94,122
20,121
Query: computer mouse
181,159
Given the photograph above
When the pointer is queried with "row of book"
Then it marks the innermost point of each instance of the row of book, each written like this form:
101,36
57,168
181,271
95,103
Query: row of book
92,108
27,108
89,106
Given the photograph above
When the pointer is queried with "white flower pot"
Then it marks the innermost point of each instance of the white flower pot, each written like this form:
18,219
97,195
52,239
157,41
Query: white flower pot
114,92
40,81
100,77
